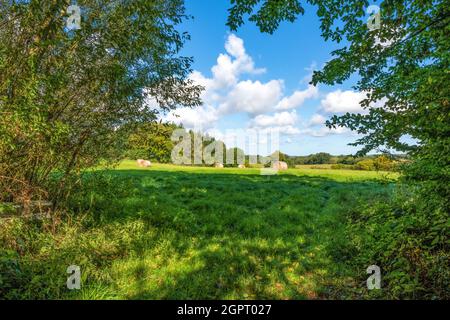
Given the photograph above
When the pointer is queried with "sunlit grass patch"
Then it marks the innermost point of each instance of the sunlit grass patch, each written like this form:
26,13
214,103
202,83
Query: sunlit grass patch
171,232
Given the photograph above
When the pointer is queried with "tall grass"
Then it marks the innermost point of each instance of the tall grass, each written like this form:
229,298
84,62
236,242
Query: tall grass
192,233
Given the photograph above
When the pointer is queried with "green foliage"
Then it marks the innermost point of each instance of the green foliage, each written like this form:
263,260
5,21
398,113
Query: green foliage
404,64
151,141
340,166
383,163
409,241
63,94
367,164
316,158
372,162
154,141
268,16
347,160
319,158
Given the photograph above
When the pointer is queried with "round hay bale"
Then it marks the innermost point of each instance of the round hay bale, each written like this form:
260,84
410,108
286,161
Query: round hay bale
279,165
143,163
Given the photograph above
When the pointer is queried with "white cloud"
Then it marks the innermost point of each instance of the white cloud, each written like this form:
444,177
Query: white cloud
224,72
230,66
310,70
278,119
288,130
229,94
325,131
343,101
227,91
200,117
235,46
298,98
209,95
317,119
281,122
253,97
151,103
243,63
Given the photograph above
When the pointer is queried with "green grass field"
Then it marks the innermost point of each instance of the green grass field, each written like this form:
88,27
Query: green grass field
300,170
171,232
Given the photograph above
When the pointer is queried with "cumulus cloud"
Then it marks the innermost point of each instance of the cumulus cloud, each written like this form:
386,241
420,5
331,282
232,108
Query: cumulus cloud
230,94
231,65
348,101
315,127
281,122
288,130
325,131
298,98
209,95
317,119
343,101
253,97
201,117
227,92
278,119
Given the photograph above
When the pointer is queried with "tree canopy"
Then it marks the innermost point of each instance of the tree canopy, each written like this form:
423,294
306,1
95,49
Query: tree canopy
63,93
403,67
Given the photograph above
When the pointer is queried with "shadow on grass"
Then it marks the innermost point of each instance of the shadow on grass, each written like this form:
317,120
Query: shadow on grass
222,236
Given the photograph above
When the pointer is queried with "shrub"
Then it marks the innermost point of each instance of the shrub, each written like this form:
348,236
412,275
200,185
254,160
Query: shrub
367,164
339,166
407,239
383,163
63,95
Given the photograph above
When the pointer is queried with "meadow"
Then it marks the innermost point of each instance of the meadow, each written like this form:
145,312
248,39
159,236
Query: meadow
171,232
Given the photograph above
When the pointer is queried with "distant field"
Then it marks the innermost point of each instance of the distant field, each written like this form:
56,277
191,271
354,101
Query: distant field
313,166
172,232
338,175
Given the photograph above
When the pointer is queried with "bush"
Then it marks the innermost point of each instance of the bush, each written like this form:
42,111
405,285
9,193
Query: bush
383,163
71,94
346,160
340,166
367,165
407,239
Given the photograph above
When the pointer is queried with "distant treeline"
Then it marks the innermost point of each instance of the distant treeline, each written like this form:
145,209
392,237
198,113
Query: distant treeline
153,141
382,162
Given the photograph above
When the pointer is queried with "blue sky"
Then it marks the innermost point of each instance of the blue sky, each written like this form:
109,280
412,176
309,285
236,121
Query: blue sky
260,81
